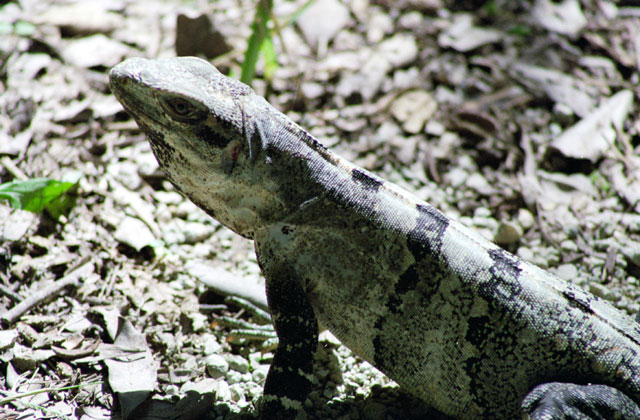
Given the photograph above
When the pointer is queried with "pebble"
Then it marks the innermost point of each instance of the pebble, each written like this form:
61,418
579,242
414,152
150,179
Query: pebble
508,233
400,50
526,219
237,363
567,272
525,253
17,224
196,232
602,291
462,36
134,232
224,393
211,346
316,27
456,177
260,373
7,338
216,365
379,25
366,82
94,50
413,109
479,183
237,392
311,90
233,377
631,250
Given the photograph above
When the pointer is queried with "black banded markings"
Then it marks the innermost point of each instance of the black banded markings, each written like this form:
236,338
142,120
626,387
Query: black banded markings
368,182
425,239
504,282
163,151
407,282
578,299
289,378
212,137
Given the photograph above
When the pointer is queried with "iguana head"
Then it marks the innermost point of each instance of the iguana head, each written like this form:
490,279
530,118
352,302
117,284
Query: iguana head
205,131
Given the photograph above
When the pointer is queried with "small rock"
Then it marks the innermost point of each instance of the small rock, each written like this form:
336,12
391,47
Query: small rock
168,197
259,374
564,17
479,183
406,79
216,365
195,35
199,322
462,36
25,358
595,134
237,392
368,80
211,346
311,90
7,338
196,232
434,128
378,26
456,177
237,363
321,21
94,50
17,224
224,393
81,18
413,109
526,219
201,387
567,272
400,50
568,246
631,250
508,233
525,253
233,377
601,290
134,232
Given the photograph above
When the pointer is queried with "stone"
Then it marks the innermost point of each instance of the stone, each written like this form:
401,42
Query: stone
315,24
216,365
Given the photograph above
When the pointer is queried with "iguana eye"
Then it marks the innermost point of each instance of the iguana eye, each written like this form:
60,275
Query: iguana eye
183,110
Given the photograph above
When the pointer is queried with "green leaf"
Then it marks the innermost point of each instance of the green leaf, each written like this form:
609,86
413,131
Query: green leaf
259,33
270,60
39,194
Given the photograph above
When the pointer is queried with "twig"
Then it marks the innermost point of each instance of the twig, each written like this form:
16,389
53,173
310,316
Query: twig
12,168
4,290
72,278
41,390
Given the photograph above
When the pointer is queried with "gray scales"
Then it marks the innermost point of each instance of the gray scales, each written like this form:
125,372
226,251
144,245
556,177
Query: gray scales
454,319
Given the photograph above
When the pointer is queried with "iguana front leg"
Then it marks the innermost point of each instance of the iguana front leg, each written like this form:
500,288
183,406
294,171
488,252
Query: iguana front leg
289,379
567,401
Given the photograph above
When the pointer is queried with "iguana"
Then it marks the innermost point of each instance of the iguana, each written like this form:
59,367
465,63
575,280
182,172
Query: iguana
455,320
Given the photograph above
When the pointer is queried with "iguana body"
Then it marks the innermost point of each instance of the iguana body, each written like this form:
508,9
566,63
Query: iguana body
455,320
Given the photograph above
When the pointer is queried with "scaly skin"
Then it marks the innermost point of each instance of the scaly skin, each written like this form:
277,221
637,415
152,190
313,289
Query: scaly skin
454,319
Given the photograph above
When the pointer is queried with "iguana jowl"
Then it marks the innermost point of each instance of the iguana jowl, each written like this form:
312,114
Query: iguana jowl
454,319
